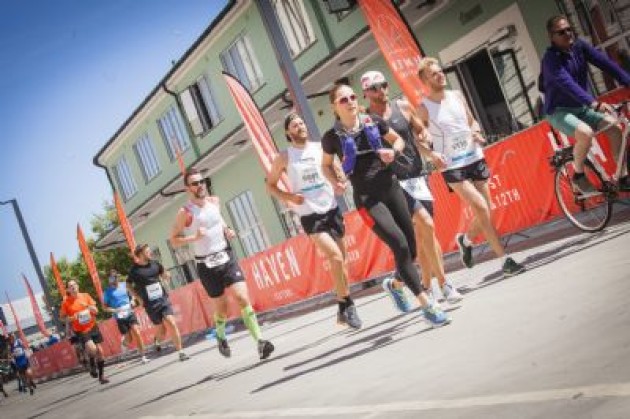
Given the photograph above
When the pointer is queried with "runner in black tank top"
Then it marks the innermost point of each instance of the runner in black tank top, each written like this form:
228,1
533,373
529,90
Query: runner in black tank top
408,168
366,147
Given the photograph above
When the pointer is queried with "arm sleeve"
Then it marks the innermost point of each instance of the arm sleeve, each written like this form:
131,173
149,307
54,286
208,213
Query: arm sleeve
604,63
555,73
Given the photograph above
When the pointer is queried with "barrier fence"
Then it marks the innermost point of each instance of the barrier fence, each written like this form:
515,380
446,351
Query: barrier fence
522,196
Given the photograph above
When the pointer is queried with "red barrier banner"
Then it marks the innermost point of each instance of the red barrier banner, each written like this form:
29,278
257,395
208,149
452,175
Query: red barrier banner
397,44
54,359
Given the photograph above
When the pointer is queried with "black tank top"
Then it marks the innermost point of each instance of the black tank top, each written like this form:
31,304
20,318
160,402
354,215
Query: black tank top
408,164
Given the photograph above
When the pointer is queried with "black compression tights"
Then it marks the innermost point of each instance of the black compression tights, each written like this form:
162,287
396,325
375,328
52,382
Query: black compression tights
392,224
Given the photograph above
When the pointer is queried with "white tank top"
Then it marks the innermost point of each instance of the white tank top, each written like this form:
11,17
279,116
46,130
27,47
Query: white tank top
209,218
304,169
450,131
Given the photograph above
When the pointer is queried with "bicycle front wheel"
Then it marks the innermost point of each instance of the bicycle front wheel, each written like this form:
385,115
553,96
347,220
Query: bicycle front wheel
589,213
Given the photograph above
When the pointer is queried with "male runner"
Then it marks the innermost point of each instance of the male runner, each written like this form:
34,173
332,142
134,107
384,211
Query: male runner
80,310
569,106
313,199
145,282
118,303
20,357
458,155
403,119
200,223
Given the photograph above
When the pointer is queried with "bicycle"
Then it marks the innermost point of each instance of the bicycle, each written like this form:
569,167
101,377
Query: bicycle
590,212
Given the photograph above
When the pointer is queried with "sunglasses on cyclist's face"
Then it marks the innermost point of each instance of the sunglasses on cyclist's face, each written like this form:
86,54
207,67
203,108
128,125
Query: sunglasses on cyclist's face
563,31
378,86
344,100
196,183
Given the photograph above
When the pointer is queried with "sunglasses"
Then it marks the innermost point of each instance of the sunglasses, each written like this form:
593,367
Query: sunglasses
378,86
197,182
565,31
344,100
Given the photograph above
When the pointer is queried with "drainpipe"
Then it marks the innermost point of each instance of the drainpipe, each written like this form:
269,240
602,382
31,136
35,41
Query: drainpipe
180,106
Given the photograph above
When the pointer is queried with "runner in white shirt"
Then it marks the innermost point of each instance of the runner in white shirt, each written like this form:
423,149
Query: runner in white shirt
457,142
201,224
313,199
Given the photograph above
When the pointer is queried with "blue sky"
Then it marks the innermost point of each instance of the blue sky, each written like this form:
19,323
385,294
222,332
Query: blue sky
71,72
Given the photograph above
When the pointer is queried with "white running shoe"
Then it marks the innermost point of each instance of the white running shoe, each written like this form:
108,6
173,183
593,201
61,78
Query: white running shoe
451,294
144,360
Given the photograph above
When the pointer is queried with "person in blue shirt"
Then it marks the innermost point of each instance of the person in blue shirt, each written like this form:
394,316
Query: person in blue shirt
18,352
118,302
569,105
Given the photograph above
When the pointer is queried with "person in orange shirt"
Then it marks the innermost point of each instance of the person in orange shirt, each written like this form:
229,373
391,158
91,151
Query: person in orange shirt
80,310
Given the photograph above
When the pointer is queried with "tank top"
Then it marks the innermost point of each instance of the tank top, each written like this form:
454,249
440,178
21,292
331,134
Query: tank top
210,219
304,170
409,164
450,131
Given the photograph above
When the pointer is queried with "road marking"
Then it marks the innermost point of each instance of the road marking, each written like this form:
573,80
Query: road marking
589,392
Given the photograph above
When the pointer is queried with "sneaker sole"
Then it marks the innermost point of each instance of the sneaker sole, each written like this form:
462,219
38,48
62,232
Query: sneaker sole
438,325
510,274
348,325
393,299
460,247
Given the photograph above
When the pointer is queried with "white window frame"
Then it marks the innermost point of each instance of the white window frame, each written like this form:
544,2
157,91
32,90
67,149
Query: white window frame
296,26
249,226
147,157
200,106
246,69
124,178
173,131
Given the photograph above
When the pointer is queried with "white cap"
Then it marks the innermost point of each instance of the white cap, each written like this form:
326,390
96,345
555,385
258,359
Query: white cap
371,77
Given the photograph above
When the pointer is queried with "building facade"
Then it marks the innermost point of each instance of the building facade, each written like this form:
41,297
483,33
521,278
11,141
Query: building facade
490,50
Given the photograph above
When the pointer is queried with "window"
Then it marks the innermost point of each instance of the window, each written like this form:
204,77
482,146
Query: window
145,152
248,224
200,106
605,24
124,178
173,132
295,24
239,60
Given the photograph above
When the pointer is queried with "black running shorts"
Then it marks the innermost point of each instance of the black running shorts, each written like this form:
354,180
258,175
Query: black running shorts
217,279
94,334
475,171
330,222
124,325
158,313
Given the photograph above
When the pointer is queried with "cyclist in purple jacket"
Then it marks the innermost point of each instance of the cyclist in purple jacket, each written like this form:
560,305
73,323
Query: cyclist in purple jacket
569,106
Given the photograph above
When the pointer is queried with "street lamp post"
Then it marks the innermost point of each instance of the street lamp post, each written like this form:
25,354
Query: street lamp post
36,265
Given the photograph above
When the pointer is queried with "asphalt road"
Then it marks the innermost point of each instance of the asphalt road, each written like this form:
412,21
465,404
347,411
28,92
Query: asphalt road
553,342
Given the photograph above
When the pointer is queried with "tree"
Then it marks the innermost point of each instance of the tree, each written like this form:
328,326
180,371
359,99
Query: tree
118,258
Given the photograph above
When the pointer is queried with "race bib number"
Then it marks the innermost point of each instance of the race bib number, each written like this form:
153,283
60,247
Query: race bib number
216,259
124,311
18,351
460,150
417,187
155,291
84,317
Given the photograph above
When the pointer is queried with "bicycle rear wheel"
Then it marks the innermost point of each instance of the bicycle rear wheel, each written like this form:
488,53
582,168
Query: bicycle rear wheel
588,213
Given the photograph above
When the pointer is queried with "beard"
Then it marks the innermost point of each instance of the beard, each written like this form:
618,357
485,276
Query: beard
201,193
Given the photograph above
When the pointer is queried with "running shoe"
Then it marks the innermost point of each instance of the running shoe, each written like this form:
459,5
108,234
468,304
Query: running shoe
451,294
265,348
398,295
103,380
144,360
93,372
465,252
349,317
183,356
435,316
157,345
583,185
511,268
224,348
32,390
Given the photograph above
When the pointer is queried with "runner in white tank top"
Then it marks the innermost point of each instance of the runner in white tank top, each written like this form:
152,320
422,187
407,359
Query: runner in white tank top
457,144
313,199
200,222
